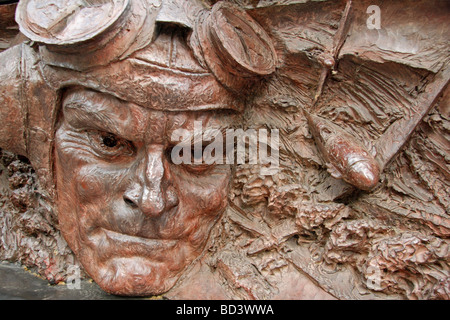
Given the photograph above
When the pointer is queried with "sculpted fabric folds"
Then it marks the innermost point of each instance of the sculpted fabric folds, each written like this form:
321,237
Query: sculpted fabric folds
333,115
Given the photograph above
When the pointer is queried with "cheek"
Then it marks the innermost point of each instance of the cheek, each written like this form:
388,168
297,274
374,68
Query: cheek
83,175
67,201
206,194
78,180
94,183
97,192
86,188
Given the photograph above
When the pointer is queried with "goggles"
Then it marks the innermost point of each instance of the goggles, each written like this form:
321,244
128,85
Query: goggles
84,34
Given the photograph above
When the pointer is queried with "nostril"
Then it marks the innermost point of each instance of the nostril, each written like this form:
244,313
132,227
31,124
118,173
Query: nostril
130,202
172,197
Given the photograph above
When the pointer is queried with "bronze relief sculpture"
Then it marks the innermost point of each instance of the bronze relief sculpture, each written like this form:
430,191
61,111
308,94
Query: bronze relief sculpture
102,104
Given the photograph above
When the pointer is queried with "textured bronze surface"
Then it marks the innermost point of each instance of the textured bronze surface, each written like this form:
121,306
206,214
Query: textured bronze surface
96,97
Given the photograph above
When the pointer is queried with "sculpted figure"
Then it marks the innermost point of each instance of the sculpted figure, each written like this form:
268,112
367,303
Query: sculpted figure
98,96
117,79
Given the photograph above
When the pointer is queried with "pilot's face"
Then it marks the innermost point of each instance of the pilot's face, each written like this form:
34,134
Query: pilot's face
134,219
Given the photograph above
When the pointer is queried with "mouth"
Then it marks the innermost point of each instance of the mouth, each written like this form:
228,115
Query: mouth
109,244
126,238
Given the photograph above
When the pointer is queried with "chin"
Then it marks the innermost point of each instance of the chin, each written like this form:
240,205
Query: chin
134,276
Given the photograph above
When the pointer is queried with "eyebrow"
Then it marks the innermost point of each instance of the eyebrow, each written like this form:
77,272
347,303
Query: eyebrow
87,109
92,110
195,137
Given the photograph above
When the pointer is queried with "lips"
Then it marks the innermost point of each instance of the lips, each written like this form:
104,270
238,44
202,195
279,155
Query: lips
109,244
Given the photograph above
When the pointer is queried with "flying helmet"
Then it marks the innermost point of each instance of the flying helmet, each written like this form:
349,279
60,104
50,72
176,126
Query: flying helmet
171,55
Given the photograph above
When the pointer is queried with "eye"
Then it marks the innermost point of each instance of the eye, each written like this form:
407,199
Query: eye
109,145
110,141
190,161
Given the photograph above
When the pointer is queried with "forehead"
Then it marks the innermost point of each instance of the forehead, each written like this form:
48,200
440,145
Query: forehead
83,106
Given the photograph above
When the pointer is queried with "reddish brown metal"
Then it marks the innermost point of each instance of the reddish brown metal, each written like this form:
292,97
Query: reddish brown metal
92,93
234,46
344,156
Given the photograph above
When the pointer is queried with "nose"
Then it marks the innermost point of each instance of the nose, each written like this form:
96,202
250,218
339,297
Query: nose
152,191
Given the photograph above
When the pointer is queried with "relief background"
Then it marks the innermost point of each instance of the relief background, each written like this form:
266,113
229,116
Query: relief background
390,242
